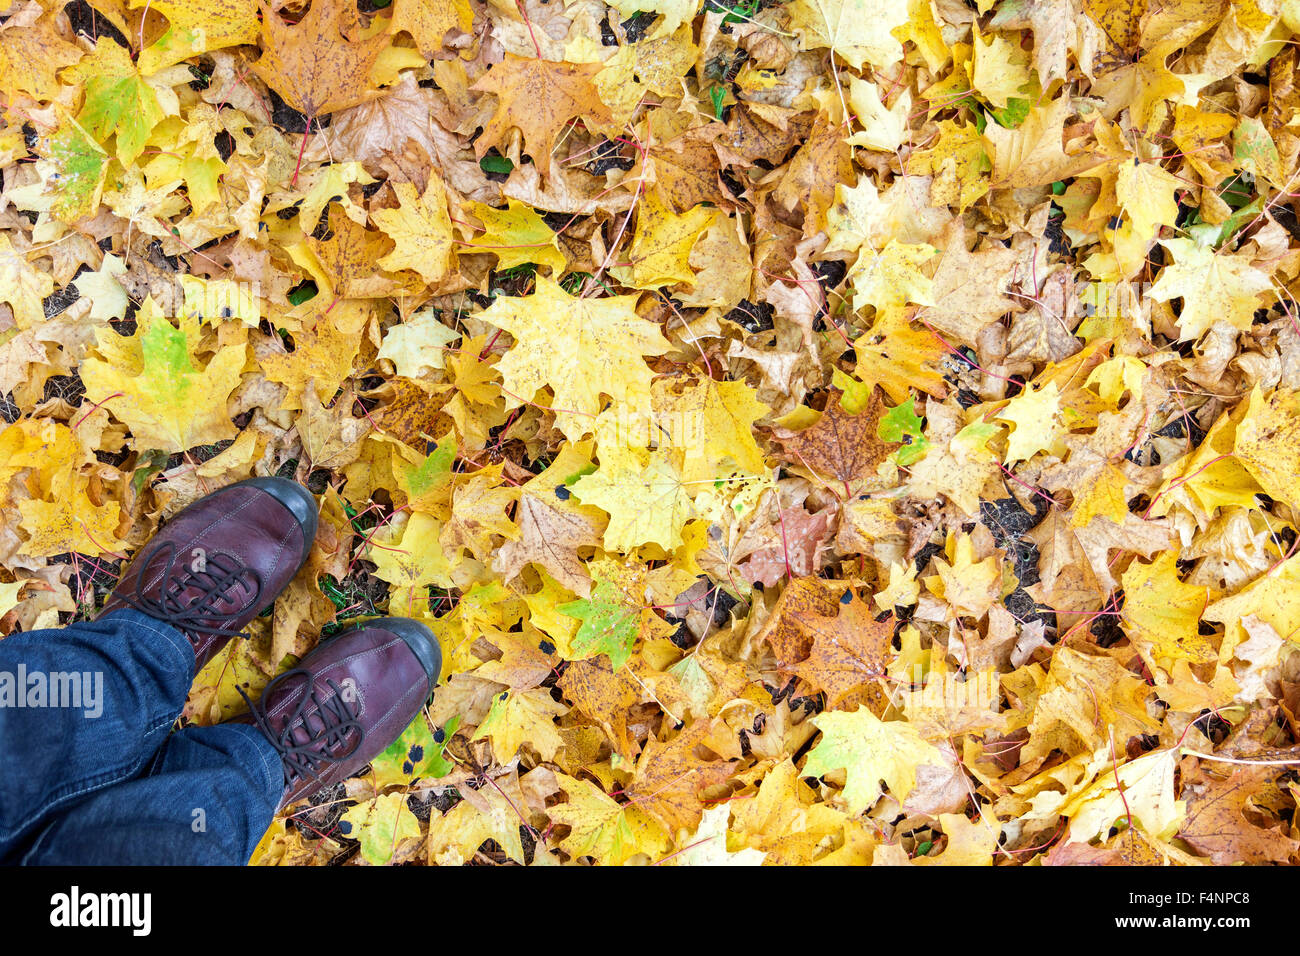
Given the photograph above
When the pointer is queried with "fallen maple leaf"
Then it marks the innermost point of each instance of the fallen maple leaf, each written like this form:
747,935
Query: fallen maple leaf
318,64
155,386
538,98
841,446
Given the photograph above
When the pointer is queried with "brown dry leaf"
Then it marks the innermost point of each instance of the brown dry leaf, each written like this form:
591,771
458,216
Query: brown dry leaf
551,532
670,779
411,412
331,437
969,287
350,256
604,697
682,163
1217,824
538,98
841,447
316,64
1033,154
850,653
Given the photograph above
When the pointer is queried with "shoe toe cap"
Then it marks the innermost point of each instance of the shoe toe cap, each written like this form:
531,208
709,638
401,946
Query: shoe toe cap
299,501
422,642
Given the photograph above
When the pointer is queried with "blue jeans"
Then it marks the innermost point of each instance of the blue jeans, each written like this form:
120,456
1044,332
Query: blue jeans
92,774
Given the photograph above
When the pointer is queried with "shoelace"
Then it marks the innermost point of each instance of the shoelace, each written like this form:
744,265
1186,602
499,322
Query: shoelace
327,728
221,575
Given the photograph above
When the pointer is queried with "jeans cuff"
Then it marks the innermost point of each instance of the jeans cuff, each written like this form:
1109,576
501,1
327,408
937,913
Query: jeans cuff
161,633
263,760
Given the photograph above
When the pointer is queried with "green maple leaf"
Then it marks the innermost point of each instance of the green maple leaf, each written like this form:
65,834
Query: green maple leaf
125,105
171,404
379,826
609,624
429,478
1014,113
902,424
419,752
868,750
80,165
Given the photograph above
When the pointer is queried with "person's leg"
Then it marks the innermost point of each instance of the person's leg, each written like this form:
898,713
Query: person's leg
202,579
112,689
213,791
207,799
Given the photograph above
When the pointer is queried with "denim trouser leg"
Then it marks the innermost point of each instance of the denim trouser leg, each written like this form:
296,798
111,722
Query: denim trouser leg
133,674
110,763
207,799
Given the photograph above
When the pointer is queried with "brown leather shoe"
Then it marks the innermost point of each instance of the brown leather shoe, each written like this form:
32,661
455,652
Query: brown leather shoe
346,701
221,561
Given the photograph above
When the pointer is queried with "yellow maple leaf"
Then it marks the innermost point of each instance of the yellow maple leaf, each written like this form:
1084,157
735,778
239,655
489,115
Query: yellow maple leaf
883,128
1214,287
557,336
1267,442
1034,413
419,344
1115,376
648,505
1215,475
322,353
1083,697
784,819
708,428
707,846
959,163
1161,614
429,20
969,586
891,278
661,248
862,215
1032,153
1273,597
22,286
869,751
1146,193
107,297
1143,793
898,358
1106,496
197,27
455,837
952,703
380,825
32,52
68,520
152,384
421,227
519,717
517,235
970,842
959,469
1000,70
859,31
610,832
413,558
902,589
479,511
